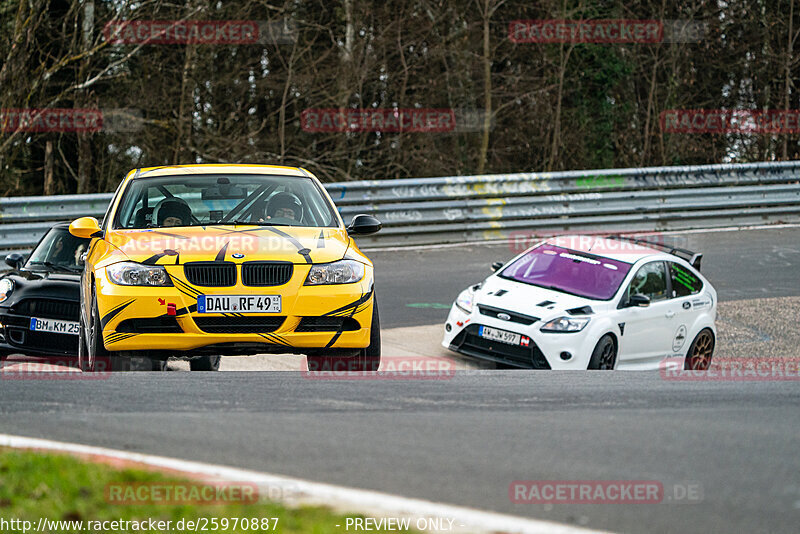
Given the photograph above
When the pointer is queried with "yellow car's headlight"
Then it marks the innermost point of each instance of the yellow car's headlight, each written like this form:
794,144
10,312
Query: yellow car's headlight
128,273
338,272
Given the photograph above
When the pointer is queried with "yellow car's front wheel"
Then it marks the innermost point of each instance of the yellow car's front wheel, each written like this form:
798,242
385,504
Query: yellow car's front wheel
92,354
367,359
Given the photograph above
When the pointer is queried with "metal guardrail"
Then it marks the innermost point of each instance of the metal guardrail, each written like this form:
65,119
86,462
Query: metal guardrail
475,208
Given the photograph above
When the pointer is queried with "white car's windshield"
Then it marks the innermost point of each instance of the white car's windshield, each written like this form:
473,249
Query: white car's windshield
192,200
569,271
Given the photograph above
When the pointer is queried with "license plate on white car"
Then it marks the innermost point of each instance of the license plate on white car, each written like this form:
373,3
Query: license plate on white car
51,325
500,335
239,304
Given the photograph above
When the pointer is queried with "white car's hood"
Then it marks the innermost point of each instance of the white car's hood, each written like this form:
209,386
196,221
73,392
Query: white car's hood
528,299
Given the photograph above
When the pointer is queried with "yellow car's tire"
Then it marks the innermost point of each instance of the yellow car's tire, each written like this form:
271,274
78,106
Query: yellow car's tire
82,348
367,359
141,361
158,365
205,363
97,357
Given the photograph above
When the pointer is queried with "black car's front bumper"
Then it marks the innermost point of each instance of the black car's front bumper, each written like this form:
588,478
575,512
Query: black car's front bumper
17,337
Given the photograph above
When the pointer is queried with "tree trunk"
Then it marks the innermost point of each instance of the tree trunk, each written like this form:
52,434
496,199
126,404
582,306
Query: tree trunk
81,99
49,182
788,80
184,126
487,91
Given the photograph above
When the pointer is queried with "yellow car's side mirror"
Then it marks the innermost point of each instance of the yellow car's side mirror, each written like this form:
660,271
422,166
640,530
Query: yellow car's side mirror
85,227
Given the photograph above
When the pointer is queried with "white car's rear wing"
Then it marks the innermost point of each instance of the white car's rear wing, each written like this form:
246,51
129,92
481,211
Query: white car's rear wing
694,258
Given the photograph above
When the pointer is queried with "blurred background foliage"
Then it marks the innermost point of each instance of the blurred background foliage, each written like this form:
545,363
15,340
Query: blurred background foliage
552,106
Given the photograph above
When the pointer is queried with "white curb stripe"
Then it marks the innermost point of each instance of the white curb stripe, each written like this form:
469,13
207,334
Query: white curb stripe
304,492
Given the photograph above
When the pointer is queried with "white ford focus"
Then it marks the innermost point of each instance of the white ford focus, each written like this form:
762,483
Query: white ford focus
585,302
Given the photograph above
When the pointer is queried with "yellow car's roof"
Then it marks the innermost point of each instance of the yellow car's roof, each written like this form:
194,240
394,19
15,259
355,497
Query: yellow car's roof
215,168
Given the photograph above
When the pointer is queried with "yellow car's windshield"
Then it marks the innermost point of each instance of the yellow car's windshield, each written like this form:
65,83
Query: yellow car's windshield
192,200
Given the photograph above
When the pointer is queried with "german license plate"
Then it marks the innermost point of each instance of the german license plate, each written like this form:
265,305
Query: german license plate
239,304
499,335
51,325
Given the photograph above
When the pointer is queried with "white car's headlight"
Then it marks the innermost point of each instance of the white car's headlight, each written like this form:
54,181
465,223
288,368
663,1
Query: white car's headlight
565,324
338,272
465,300
128,273
6,287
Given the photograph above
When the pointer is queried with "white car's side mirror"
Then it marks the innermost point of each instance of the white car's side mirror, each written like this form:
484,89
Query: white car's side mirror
638,301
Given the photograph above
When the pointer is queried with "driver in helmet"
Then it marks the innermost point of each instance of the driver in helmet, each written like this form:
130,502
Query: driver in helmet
173,212
284,207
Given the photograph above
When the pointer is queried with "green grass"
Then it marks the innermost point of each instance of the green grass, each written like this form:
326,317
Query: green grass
61,487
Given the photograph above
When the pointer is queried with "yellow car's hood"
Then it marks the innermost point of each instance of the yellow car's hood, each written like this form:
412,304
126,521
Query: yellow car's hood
169,246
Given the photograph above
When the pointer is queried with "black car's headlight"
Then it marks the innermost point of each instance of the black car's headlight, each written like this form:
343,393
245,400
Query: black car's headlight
128,273
6,287
565,324
338,272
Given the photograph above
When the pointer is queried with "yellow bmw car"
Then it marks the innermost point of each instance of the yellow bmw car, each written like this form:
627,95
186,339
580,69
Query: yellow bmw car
200,261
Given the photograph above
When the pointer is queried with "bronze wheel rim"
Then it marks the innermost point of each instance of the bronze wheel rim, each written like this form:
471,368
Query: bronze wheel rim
702,349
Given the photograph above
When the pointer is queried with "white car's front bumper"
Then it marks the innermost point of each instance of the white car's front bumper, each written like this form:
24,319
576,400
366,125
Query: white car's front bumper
544,350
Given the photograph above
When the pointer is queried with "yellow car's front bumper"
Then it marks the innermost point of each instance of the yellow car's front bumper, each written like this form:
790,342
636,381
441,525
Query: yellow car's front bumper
135,318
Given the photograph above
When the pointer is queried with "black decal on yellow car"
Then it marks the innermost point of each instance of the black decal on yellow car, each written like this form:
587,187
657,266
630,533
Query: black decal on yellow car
113,312
181,311
275,339
152,260
348,311
185,288
117,336
352,308
221,254
293,240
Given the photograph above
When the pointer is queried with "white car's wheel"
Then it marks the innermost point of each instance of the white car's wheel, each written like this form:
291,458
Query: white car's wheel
604,355
698,358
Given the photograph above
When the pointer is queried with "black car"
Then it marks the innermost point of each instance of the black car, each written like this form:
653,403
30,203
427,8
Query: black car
39,298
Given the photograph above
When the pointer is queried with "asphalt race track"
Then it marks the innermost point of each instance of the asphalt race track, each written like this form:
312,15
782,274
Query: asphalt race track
465,439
